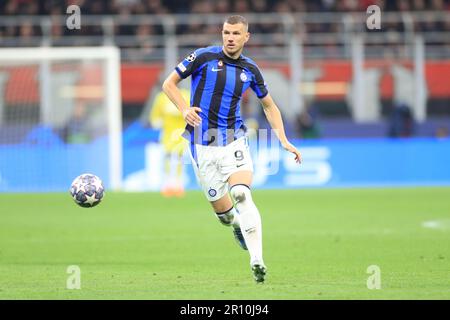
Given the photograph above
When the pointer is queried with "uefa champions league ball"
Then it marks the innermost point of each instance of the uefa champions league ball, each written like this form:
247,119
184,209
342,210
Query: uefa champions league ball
87,190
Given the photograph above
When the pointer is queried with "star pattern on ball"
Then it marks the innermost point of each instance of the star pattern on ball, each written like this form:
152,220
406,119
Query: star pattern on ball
91,199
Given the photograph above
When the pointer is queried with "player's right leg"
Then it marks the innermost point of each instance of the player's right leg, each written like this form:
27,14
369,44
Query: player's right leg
216,189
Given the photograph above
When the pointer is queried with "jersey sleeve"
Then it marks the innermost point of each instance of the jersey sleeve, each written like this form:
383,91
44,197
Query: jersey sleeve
190,64
258,84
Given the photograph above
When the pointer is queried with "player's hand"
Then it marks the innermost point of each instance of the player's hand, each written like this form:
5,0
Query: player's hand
191,116
289,147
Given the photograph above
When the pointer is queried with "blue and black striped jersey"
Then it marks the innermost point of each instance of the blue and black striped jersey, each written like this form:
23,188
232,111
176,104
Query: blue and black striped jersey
218,83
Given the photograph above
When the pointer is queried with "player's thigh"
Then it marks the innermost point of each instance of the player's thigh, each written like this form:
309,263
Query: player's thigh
211,182
208,174
237,164
241,177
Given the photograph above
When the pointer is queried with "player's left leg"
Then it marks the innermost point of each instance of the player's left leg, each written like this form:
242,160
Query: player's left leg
250,220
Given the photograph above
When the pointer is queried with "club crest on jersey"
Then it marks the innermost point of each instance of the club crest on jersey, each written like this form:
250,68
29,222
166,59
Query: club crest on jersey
212,192
244,77
220,63
191,57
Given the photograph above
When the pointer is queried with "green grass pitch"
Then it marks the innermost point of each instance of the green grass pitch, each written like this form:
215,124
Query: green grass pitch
318,244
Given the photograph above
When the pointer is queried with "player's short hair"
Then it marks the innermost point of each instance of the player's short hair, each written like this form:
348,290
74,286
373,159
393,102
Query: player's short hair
237,19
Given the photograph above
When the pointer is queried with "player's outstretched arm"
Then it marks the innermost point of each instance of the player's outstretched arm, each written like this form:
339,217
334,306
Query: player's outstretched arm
171,90
273,115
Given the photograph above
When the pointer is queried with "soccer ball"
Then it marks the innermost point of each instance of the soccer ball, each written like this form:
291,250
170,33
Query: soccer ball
87,190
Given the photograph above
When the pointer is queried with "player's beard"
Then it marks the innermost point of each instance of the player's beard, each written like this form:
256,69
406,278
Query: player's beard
233,51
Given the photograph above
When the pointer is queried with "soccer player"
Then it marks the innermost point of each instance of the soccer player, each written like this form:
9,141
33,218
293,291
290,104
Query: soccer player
217,135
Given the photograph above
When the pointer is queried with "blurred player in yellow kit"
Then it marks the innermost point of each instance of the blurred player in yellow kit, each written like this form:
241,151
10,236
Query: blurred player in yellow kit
165,115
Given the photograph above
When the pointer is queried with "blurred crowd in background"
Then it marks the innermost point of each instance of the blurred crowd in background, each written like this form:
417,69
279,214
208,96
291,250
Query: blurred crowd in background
125,8
98,7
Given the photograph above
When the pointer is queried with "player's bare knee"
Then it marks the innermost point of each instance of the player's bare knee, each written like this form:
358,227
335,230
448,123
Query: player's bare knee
240,192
